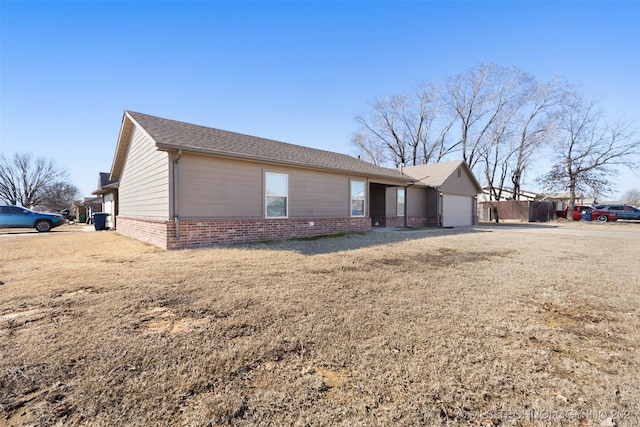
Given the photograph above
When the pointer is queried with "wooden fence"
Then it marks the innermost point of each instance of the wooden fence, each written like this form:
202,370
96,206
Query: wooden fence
524,211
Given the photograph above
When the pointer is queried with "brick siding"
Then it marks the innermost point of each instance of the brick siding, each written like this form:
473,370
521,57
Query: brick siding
207,232
412,221
149,231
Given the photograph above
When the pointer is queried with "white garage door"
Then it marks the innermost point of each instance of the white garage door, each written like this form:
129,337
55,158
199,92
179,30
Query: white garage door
456,211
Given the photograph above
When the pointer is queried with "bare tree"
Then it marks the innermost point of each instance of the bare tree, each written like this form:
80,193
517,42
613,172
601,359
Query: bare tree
493,114
498,119
479,99
587,149
24,180
59,195
382,133
369,149
536,127
496,158
400,129
434,145
632,197
522,122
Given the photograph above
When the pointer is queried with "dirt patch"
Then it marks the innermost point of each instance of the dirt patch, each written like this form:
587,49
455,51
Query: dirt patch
162,319
499,326
28,315
567,315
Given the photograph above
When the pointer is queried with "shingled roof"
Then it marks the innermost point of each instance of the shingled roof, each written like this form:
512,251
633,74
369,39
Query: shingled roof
176,135
105,185
435,174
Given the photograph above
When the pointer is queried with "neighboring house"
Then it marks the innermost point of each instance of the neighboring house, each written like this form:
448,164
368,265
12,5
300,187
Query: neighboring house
108,191
506,193
453,191
79,211
562,200
84,209
183,185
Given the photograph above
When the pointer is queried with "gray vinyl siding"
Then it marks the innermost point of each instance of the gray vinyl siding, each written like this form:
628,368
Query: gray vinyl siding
318,194
460,185
417,201
213,187
144,182
431,201
391,202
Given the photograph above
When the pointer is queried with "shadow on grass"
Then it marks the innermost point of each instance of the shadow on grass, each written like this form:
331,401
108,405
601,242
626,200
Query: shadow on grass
17,232
352,241
490,225
27,231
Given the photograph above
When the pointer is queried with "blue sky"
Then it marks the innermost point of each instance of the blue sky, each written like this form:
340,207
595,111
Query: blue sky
292,71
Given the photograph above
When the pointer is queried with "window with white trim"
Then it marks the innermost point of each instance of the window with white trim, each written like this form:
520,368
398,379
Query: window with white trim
358,196
400,205
276,194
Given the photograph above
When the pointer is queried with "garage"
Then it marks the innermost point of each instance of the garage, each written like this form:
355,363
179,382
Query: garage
457,211
454,188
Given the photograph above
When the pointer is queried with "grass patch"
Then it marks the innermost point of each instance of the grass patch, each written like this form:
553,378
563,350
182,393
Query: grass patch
487,328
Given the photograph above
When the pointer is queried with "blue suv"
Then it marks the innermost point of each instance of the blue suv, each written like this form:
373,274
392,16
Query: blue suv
18,217
623,211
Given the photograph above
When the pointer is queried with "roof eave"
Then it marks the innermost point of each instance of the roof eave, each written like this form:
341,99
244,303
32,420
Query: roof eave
124,136
122,146
227,154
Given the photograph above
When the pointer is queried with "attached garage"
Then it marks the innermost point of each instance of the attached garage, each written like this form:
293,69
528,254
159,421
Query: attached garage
455,188
457,211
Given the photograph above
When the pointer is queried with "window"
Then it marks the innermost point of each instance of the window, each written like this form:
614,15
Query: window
357,198
14,210
400,201
277,194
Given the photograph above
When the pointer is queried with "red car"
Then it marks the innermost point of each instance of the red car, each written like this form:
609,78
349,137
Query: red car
600,215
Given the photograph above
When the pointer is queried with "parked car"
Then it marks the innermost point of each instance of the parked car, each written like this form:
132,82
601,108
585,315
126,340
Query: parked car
623,211
19,217
600,215
66,213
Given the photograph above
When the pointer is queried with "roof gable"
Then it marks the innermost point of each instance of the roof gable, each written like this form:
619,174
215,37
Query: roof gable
174,135
105,185
104,180
436,174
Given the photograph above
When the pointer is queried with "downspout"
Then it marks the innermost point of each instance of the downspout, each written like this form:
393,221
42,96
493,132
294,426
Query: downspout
176,217
439,206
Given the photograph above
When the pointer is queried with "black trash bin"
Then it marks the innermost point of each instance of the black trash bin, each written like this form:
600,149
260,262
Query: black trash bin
100,220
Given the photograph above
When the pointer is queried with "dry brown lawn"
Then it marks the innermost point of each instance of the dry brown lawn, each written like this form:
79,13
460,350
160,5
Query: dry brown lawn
512,326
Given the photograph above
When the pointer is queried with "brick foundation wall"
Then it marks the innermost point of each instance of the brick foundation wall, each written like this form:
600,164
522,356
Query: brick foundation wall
207,232
425,221
149,231
412,221
394,221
